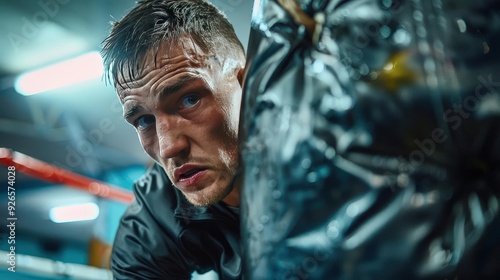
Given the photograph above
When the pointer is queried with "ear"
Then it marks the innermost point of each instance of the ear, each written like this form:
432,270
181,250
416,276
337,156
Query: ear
240,75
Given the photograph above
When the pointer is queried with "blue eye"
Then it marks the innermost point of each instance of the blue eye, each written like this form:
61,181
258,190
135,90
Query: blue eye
189,101
143,122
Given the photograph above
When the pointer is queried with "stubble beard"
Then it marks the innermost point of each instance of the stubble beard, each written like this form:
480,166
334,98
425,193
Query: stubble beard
202,199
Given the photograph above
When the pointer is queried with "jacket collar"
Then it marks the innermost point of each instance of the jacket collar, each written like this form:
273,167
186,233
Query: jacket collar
187,211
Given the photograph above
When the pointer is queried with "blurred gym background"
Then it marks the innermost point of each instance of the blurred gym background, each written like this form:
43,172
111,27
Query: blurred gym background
73,124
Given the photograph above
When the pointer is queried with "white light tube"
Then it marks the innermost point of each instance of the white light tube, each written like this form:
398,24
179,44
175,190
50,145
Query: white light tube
82,68
74,213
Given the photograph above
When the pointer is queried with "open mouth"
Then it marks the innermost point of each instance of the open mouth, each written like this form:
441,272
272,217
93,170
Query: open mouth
190,173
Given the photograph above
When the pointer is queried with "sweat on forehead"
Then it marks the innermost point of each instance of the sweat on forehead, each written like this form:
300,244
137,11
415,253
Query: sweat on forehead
185,49
152,22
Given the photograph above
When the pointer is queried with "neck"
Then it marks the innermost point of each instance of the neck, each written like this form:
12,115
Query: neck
233,197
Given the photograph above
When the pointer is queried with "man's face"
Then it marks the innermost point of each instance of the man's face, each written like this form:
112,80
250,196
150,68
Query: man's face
185,110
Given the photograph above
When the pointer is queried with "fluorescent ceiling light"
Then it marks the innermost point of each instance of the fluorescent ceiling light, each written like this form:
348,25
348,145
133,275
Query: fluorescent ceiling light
79,69
74,213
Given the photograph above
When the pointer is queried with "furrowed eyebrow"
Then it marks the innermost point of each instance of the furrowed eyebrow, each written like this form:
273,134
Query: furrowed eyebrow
132,111
181,83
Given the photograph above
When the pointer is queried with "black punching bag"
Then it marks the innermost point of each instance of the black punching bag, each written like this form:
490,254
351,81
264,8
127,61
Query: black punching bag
371,140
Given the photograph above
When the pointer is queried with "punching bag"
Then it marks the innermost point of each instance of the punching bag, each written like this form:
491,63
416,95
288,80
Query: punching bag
371,140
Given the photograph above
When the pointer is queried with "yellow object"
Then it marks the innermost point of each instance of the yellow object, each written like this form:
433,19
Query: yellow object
395,73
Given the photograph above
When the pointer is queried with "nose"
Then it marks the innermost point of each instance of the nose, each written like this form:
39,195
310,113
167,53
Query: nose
172,142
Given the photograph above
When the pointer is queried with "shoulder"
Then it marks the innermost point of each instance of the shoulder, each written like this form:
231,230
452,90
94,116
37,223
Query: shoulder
146,243
155,196
156,202
154,181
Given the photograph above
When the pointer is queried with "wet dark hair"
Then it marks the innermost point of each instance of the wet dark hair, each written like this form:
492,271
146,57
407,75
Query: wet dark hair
152,22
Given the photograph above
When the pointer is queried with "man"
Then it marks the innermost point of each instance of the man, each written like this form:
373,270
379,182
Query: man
177,67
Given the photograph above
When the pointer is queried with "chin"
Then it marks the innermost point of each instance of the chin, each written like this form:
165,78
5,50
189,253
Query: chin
200,202
207,197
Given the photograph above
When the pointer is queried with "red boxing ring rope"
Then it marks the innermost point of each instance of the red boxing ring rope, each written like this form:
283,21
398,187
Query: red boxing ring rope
53,174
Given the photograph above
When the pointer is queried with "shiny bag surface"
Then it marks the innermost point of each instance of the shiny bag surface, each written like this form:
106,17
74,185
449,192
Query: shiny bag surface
372,140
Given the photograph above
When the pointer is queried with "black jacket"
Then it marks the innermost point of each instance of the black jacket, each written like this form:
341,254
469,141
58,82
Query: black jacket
162,236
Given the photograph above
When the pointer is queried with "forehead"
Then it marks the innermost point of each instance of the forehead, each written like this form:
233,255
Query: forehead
167,57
